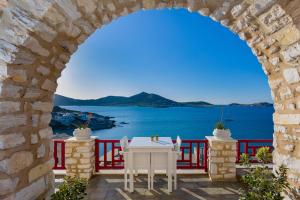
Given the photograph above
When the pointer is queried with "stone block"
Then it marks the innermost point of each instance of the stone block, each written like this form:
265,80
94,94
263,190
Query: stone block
68,150
8,185
286,119
84,166
292,52
85,160
12,121
34,139
238,9
11,140
32,44
291,75
83,149
41,151
40,170
70,9
71,161
16,162
46,133
18,75
259,6
32,191
43,70
42,106
33,93
49,85
216,160
45,32
45,119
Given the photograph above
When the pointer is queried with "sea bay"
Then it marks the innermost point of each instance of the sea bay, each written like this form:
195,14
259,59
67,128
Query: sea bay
245,122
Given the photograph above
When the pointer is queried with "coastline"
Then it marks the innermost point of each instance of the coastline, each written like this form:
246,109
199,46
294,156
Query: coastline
64,121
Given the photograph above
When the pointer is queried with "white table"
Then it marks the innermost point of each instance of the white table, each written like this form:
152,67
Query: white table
145,145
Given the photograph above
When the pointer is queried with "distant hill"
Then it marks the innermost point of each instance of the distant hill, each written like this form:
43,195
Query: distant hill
142,99
197,103
261,104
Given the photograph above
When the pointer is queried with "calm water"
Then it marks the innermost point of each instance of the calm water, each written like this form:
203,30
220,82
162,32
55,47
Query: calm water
187,122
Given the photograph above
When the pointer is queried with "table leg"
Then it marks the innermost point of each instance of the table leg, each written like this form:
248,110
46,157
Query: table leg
130,159
170,163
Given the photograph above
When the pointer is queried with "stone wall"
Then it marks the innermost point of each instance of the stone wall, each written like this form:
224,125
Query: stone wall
80,157
221,159
37,38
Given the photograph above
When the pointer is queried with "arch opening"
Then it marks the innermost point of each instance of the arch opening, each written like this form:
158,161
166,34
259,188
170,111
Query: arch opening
38,38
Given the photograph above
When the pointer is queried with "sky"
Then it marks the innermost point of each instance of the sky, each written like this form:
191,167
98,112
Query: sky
174,53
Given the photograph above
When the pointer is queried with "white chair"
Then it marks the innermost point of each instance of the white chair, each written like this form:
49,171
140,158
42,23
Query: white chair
124,153
141,162
159,162
177,153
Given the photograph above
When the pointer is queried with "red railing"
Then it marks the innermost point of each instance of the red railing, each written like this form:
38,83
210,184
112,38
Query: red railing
250,147
193,155
59,154
107,155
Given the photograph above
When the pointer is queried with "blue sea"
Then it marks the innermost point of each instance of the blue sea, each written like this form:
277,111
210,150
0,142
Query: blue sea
245,122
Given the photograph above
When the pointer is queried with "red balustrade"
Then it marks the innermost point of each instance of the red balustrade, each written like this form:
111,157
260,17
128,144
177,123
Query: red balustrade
250,147
193,155
107,155
59,154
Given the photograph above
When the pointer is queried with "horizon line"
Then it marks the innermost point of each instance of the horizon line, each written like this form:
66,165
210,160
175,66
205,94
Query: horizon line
166,98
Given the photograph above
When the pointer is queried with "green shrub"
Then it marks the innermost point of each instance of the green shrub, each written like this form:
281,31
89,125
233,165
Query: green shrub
220,126
73,188
263,155
260,182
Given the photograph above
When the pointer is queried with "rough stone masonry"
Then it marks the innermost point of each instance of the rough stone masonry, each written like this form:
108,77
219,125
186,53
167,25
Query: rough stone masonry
37,38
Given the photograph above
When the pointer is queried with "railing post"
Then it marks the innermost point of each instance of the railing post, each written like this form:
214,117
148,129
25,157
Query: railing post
80,157
97,154
221,158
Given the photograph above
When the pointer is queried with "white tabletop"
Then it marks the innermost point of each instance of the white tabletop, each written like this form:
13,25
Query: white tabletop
146,143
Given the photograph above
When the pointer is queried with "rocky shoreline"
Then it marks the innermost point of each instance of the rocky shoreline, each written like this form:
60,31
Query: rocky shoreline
64,121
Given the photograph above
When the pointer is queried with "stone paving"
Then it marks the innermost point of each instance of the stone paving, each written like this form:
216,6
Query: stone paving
190,187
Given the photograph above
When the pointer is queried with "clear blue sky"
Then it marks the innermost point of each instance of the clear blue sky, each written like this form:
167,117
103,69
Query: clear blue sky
173,53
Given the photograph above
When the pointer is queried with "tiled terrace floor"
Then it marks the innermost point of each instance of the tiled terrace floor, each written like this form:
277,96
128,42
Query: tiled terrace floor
190,187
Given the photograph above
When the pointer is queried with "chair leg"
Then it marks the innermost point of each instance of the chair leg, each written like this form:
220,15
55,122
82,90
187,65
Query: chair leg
175,181
152,179
136,172
125,180
149,180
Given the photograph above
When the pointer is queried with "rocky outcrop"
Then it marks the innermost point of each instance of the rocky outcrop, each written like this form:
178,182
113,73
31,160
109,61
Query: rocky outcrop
65,121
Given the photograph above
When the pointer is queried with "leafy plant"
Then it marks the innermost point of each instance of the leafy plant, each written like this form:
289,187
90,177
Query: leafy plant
73,188
220,126
263,155
245,159
87,122
260,182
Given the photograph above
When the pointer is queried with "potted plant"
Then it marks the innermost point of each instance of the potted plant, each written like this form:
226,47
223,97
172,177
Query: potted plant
83,132
221,132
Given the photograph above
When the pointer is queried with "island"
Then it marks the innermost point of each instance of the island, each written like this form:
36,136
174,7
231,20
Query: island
64,121
142,99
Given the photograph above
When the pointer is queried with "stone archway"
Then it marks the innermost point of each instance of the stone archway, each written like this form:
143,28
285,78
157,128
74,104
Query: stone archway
37,38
